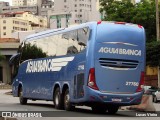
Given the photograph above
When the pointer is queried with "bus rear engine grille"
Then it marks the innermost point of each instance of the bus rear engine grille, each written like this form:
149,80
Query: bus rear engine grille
118,63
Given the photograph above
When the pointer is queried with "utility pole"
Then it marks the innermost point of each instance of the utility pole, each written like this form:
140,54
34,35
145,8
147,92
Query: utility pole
157,19
158,37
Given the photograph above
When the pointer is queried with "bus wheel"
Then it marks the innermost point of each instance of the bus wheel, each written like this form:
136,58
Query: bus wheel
22,100
57,99
67,104
99,109
112,109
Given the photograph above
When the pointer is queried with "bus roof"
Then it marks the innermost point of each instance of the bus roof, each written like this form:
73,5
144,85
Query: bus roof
53,31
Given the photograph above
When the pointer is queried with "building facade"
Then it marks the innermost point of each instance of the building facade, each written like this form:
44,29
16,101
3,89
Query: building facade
20,21
31,2
35,21
81,10
7,9
19,2
8,47
4,3
59,20
71,12
24,2
10,25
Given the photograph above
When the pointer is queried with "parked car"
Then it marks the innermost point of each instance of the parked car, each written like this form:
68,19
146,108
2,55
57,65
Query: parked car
154,91
156,96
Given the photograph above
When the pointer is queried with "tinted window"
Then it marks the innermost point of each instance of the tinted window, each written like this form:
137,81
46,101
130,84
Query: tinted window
66,43
31,51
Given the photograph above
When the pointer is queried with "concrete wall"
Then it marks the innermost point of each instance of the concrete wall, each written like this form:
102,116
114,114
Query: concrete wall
151,77
6,70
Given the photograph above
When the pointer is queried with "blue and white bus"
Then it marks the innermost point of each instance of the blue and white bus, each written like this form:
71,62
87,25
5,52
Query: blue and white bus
97,64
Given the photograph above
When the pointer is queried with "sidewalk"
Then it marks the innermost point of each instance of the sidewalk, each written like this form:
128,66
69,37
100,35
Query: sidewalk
5,86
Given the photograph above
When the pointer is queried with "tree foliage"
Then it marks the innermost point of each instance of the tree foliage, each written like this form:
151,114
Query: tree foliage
142,13
2,57
32,52
153,53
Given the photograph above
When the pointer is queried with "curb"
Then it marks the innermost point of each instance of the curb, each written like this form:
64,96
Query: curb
5,87
9,93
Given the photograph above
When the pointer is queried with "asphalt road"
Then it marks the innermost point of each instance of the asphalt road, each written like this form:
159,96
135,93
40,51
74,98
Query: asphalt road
10,103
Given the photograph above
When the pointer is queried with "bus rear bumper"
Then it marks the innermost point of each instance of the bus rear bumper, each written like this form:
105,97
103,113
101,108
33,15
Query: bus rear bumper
113,98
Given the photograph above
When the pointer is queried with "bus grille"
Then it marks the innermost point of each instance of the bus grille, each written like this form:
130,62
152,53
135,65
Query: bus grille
118,63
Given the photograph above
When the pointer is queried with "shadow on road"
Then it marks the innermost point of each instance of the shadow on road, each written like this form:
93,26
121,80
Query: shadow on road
80,112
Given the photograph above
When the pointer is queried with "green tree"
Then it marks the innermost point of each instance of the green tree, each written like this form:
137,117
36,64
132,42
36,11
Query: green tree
117,10
32,52
153,53
2,57
145,14
142,13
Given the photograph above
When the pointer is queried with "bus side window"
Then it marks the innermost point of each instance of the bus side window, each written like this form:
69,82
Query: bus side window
14,63
62,44
31,51
83,36
73,42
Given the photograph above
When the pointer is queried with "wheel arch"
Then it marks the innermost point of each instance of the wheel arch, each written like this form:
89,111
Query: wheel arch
56,85
19,86
65,87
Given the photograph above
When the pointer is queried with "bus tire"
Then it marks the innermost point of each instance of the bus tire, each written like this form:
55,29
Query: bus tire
67,104
112,109
22,100
57,99
99,109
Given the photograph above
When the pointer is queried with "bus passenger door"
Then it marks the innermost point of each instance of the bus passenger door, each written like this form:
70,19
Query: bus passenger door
79,82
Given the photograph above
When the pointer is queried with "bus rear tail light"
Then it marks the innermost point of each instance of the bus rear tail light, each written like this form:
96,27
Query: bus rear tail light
140,26
92,79
120,23
141,83
99,22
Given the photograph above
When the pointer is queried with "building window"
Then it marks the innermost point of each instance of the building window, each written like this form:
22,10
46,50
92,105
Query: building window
4,33
4,27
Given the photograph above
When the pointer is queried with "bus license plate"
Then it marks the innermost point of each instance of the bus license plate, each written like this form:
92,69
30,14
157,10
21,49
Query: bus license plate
116,100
